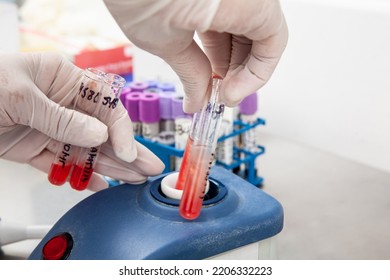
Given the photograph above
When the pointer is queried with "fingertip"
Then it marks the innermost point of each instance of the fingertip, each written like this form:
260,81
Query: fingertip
239,84
97,183
148,161
122,138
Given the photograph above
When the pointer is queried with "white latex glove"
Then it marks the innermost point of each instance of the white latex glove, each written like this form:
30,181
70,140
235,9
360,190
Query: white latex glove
36,90
243,41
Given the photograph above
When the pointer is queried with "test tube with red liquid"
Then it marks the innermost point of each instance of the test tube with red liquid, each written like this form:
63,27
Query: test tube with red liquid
67,153
199,154
87,157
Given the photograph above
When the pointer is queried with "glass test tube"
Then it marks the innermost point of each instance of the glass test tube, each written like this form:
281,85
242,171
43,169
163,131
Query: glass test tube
199,154
67,153
87,158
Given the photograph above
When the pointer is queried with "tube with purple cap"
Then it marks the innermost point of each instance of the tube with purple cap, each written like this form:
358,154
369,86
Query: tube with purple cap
167,122
132,106
149,114
248,115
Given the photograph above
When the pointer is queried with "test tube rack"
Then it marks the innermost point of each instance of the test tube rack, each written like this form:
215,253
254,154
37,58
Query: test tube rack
240,156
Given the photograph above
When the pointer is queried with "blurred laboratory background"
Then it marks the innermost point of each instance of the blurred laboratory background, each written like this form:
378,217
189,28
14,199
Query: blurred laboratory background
326,110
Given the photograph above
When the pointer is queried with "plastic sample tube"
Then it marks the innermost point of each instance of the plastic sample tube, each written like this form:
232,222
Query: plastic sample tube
87,158
224,152
248,115
149,114
199,154
67,153
167,123
182,127
132,106
182,131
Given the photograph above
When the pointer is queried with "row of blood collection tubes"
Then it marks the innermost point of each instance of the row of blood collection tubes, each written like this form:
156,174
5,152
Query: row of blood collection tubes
155,109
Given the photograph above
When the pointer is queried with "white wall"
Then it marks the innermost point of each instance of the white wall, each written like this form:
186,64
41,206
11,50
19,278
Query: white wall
332,87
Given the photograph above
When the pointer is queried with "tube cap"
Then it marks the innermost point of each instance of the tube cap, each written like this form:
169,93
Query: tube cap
153,90
149,108
166,104
138,86
248,106
152,83
165,86
177,107
132,101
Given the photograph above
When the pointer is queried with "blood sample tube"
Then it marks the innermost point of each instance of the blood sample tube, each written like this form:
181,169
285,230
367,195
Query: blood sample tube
248,115
224,151
89,92
111,87
199,154
149,114
132,106
182,128
167,123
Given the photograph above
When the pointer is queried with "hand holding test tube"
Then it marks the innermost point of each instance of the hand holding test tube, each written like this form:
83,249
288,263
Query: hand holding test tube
98,94
199,154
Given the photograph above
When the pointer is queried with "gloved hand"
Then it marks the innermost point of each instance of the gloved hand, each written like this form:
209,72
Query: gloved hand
36,91
243,41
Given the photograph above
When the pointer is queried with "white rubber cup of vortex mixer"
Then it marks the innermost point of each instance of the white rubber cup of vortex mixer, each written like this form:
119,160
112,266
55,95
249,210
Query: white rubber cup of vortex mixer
168,184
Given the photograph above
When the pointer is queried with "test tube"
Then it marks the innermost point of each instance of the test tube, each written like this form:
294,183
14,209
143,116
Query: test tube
167,123
224,151
66,154
248,115
149,114
199,154
182,126
87,158
132,106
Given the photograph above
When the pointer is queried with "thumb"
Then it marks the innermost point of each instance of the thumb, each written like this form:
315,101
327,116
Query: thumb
64,125
194,70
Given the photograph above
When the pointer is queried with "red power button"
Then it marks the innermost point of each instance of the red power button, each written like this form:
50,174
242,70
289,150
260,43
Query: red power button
58,247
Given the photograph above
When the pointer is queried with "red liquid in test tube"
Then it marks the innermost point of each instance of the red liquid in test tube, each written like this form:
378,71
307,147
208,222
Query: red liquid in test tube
80,178
59,173
62,164
198,167
181,180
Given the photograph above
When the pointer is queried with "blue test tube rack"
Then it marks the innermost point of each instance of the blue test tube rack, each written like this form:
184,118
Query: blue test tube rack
165,152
